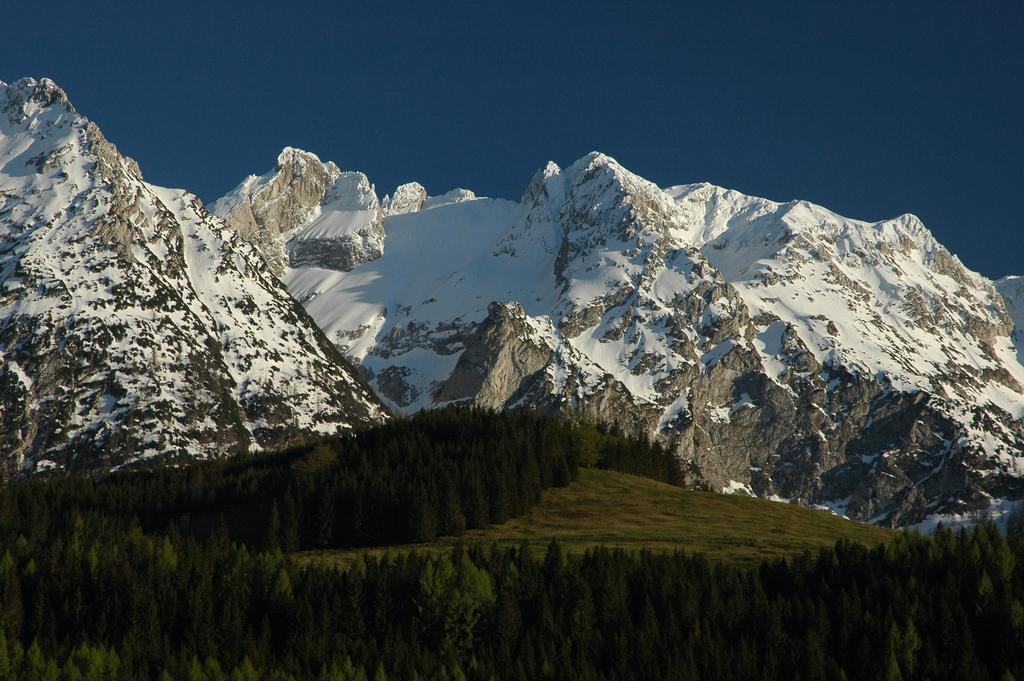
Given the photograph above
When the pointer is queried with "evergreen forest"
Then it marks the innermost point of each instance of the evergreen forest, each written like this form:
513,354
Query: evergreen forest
188,573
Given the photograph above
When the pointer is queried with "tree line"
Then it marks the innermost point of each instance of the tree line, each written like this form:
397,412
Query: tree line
410,480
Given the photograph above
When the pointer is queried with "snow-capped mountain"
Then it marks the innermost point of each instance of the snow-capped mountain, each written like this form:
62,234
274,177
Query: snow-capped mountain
133,323
781,349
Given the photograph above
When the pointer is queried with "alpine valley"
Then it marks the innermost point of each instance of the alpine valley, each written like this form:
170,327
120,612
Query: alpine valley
779,349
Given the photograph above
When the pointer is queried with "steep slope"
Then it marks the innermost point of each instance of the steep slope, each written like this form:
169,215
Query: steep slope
1012,290
133,324
900,303
305,212
782,350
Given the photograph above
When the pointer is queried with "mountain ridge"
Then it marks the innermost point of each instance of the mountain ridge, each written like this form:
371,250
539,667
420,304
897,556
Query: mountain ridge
133,325
698,314
780,349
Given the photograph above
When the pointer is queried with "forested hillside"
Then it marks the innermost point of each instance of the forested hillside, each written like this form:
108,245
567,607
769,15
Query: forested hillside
87,603
436,473
186,574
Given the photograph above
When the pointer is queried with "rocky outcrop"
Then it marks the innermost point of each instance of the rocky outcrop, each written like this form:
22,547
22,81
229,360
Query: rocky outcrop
499,360
348,230
408,198
307,213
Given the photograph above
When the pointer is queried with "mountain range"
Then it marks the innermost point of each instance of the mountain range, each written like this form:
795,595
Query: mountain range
133,324
781,350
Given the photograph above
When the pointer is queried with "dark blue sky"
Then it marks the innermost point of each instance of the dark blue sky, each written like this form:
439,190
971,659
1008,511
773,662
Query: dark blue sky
867,108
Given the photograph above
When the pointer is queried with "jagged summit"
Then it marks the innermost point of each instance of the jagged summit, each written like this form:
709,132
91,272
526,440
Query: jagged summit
592,161
133,325
602,171
25,97
781,349
306,212
298,160
408,198
290,155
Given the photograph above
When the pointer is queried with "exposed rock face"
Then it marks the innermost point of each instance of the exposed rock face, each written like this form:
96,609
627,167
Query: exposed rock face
1012,291
133,324
499,359
307,213
408,198
782,350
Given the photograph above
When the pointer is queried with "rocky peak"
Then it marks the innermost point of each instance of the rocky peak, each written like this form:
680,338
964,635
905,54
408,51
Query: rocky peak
296,165
884,297
545,195
601,193
351,190
24,98
347,230
408,198
600,175
296,158
618,230
307,212
503,359
53,148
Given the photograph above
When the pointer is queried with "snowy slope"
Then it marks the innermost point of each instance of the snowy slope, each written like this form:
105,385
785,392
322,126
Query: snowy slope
781,349
1012,290
875,297
133,324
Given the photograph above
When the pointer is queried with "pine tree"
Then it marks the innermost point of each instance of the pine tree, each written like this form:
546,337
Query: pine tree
6,666
290,524
272,535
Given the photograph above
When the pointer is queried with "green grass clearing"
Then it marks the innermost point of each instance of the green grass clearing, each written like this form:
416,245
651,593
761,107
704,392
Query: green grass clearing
605,508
